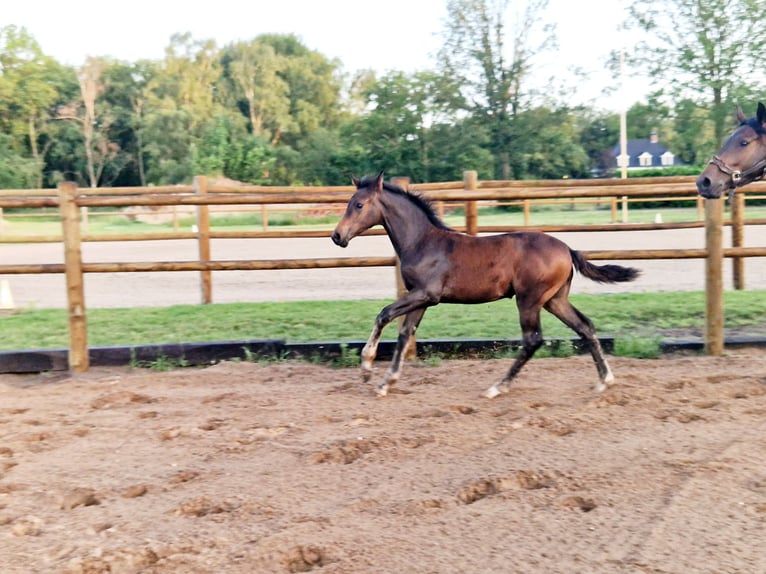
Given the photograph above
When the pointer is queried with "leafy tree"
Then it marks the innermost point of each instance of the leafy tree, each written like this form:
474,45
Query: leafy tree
644,118
189,75
599,132
396,127
692,140
93,118
128,94
474,52
180,109
16,171
253,68
313,85
703,49
548,145
30,85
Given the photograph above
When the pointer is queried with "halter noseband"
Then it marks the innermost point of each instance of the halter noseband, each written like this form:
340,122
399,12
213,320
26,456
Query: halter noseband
738,178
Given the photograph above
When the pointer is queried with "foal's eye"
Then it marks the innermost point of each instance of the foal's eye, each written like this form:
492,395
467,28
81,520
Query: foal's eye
743,143
359,205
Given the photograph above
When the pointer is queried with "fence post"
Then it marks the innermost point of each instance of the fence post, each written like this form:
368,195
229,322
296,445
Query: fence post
714,277
70,227
471,183
203,239
738,238
411,351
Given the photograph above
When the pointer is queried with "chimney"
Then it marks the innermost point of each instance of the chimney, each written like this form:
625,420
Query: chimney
653,137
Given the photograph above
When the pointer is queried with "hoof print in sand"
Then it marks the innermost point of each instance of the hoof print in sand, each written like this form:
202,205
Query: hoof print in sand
519,480
304,559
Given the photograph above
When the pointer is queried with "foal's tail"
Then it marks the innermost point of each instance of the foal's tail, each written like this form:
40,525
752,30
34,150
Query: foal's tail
603,273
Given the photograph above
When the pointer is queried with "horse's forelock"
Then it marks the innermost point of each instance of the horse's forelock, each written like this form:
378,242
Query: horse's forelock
755,124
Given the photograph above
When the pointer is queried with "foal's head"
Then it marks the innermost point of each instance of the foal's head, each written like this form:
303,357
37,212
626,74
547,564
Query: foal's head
741,159
363,210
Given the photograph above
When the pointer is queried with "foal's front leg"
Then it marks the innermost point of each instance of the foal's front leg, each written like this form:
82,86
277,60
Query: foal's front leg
406,331
413,303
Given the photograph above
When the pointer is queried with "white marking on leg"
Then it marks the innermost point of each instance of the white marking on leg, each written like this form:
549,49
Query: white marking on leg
392,377
492,392
368,356
605,381
599,387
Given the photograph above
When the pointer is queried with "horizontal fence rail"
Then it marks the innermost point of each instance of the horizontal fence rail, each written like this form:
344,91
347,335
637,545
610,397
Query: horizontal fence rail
70,202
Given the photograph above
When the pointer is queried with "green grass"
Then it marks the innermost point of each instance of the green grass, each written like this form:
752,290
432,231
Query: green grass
637,321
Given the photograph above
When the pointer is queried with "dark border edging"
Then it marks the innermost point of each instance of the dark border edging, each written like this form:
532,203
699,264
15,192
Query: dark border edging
196,354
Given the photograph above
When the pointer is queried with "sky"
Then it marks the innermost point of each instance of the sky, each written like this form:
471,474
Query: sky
385,35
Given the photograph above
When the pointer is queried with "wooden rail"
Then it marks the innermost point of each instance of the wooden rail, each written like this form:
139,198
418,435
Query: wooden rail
70,200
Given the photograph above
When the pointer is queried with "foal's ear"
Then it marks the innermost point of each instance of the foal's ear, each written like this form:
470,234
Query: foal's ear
379,182
761,114
355,181
740,115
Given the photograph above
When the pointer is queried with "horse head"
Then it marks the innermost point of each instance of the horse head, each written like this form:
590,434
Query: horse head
741,159
363,210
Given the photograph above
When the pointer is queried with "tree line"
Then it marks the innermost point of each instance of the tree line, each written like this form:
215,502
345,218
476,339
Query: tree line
271,110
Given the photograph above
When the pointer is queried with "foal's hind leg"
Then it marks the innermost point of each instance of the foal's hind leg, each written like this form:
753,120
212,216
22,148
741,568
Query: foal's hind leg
580,324
532,338
406,331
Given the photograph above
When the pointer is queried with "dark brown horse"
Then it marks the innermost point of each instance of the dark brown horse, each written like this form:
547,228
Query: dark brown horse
741,159
441,265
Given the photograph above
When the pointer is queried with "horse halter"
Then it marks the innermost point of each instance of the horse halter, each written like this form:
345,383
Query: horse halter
738,177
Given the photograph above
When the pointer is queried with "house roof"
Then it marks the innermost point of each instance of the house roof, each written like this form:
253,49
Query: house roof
638,147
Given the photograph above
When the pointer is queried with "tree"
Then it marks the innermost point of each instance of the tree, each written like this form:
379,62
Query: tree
692,139
182,107
401,114
16,171
29,89
703,49
254,69
128,95
313,85
474,51
548,145
94,120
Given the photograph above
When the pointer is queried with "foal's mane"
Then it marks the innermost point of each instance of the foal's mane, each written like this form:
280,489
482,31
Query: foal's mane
419,201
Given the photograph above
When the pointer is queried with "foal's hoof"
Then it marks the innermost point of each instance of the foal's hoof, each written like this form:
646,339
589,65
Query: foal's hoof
366,375
381,391
602,385
492,392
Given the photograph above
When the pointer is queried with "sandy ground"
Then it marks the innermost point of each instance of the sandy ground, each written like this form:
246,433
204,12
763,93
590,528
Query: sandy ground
169,288
295,467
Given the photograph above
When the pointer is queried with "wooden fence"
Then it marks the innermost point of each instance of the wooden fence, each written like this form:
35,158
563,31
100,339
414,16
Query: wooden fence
70,201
